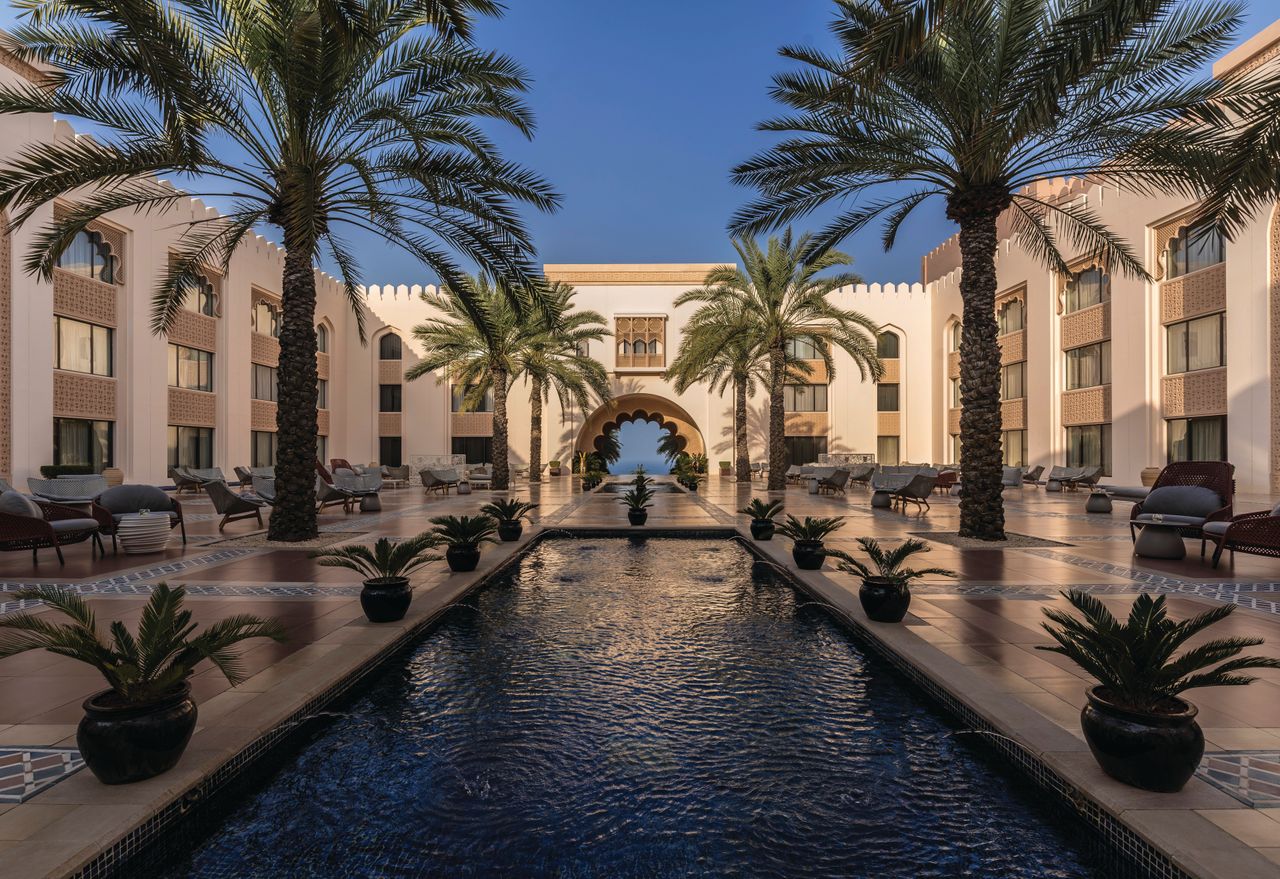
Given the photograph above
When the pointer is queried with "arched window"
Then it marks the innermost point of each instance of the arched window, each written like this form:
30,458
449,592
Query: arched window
322,338
582,349
1011,316
202,299
655,347
624,348
88,255
1086,288
957,331
389,347
1194,248
887,345
266,318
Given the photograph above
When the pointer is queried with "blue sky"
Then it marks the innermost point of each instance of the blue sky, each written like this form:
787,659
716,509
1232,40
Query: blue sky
642,110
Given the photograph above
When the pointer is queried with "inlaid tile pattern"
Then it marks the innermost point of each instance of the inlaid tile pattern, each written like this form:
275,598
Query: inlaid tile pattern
24,772
1252,777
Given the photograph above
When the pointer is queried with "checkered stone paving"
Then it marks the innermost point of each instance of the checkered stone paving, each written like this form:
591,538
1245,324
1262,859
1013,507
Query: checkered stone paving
24,772
1252,777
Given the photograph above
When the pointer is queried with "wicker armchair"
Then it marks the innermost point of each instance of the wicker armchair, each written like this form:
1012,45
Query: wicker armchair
36,525
1189,499
68,489
1253,533
123,500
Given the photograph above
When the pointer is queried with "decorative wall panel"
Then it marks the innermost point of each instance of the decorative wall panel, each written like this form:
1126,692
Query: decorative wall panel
818,374
322,422
471,424
1013,414
262,415
83,396
807,424
389,424
322,365
390,372
953,421
1202,292
1013,347
892,370
84,298
192,408
888,423
1086,326
1194,393
195,331
1087,406
264,349
953,364
637,331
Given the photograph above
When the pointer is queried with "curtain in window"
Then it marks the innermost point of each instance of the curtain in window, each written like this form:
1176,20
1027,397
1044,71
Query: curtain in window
888,450
1207,441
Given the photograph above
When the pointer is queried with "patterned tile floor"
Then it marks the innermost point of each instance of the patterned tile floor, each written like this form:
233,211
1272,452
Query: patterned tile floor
1251,776
25,772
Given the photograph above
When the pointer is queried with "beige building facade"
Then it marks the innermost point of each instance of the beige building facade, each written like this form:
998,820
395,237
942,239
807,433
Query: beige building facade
1098,368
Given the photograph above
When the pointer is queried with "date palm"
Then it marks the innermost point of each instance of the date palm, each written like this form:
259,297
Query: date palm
556,357
717,349
312,117
981,103
785,300
476,342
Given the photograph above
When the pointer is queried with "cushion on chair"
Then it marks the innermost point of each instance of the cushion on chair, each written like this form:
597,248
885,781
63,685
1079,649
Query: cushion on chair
1218,528
132,498
1170,519
16,503
63,526
1183,500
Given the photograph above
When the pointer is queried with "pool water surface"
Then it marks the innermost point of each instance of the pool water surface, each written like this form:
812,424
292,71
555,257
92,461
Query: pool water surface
641,708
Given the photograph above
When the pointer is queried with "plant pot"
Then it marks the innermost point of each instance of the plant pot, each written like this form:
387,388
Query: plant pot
725,468
464,487
1149,475
762,529
637,517
884,600
510,531
385,599
125,743
1157,752
554,471
462,557
808,554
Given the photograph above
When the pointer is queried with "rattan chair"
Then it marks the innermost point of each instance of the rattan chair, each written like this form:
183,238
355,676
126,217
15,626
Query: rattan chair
68,489
1252,533
1191,509
124,500
37,525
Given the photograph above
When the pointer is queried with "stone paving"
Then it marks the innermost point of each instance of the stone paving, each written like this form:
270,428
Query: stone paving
986,622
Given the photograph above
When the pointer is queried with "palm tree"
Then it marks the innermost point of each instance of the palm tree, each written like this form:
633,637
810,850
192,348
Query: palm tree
976,102
785,302
477,343
310,116
555,358
716,348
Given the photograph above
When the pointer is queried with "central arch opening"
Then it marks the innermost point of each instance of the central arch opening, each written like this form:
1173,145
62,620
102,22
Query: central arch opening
646,426
641,445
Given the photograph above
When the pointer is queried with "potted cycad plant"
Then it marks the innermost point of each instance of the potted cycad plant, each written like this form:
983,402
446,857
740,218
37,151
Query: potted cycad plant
726,468
1139,729
462,536
553,467
638,499
808,534
140,725
386,567
762,513
885,593
508,512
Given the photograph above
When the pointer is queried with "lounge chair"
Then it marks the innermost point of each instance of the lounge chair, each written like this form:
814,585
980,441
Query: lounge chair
1252,533
1069,478
263,472
68,489
916,491
125,500
861,474
793,474
757,470
35,525
264,489
1032,476
245,477
397,477
479,477
233,507
1011,477
438,480
947,480
206,475
1190,494
834,483
336,464
183,481
361,487
330,495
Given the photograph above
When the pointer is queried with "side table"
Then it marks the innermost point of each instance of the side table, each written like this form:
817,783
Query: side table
143,532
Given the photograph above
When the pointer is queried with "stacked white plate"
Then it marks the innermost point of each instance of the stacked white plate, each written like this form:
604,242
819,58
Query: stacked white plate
143,532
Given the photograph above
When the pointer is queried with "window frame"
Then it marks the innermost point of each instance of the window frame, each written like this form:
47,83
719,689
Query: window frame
1105,438
395,391
1177,264
105,272
385,345
90,424
1192,454
1170,347
204,366
273,374
1021,366
1003,328
110,333
175,434
1070,293
254,459
883,390
272,315
882,339
791,393
1104,365
457,394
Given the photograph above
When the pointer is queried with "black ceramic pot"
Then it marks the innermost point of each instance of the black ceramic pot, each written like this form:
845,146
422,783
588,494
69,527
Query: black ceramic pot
510,531
885,600
124,743
808,554
385,599
462,557
637,517
762,529
1157,752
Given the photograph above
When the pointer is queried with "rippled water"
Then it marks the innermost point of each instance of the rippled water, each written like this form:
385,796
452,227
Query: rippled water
632,708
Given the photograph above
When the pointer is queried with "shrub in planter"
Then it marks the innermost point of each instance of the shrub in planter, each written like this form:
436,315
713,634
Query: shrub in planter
462,536
638,499
807,537
592,479
1137,727
553,467
726,467
386,567
885,593
762,513
508,512
140,725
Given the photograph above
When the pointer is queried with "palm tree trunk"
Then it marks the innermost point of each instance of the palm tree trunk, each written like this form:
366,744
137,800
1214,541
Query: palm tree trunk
777,419
981,504
535,431
294,514
501,464
741,452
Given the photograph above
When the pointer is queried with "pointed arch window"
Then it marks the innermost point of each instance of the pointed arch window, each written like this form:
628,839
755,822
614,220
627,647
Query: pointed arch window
88,255
888,345
390,347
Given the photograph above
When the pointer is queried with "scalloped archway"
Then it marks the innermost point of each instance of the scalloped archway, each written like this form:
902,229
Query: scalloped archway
641,407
